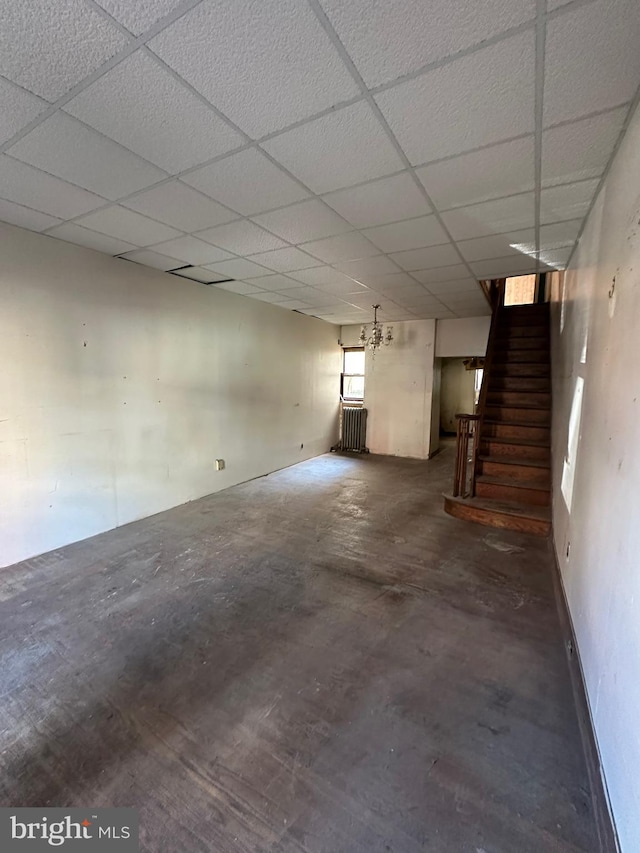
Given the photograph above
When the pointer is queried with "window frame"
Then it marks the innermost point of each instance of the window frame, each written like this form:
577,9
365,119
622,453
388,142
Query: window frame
343,397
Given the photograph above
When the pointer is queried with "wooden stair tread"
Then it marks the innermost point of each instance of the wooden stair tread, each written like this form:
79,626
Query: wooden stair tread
542,513
516,460
512,484
525,442
501,514
497,404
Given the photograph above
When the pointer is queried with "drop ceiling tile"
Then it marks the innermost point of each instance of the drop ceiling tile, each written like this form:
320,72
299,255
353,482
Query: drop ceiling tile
410,293
560,234
300,292
124,224
242,238
381,201
247,182
462,285
198,274
480,99
499,267
143,107
400,36
238,268
491,217
139,16
33,188
24,217
421,259
370,298
50,45
344,247
273,298
592,61
500,170
377,265
286,260
17,109
410,234
581,149
190,250
275,282
242,288
556,258
571,201
307,220
444,273
72,233
149,258
339,149
265,65
293,304
325,277
69,150
342,289
176,204
497,245
389,282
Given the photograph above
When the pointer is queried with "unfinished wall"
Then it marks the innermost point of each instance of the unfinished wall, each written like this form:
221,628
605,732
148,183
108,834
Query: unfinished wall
398,389
596,471
457,393
120,386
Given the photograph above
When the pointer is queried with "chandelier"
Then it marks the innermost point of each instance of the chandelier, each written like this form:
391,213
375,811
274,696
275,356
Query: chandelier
377,338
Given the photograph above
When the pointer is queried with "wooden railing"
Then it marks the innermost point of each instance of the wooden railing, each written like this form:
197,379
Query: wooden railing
470,426
463,483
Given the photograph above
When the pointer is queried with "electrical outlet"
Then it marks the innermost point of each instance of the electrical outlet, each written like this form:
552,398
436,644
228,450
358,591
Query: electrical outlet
219,464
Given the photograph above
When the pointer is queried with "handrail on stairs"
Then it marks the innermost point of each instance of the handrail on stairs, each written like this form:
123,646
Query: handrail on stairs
470,426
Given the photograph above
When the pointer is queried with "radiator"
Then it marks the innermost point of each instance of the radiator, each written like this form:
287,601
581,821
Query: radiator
354,429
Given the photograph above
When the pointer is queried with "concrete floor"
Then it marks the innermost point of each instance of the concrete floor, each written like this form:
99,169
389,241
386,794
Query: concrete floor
318,661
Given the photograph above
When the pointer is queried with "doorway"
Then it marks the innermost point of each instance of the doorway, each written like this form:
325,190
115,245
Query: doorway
459,391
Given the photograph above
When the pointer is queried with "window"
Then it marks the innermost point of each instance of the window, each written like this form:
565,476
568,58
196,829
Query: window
352,384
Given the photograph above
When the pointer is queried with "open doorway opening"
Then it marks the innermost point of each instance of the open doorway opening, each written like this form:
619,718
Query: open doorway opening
461,380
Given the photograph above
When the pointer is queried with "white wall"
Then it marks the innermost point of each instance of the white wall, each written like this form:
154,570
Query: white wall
398,389
596,471
457,392
463,337
121,385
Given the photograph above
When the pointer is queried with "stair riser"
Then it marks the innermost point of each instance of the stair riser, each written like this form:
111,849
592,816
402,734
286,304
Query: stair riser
516,330
502,358
511,344
532,433
522,451
536,399
536,319
493,518
513,371
517,473
501,492
540,417
519,383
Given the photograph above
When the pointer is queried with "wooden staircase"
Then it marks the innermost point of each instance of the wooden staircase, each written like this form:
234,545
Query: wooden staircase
511,476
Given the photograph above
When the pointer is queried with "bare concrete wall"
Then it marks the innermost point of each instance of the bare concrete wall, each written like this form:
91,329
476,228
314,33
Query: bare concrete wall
120,386
596,470
398,389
